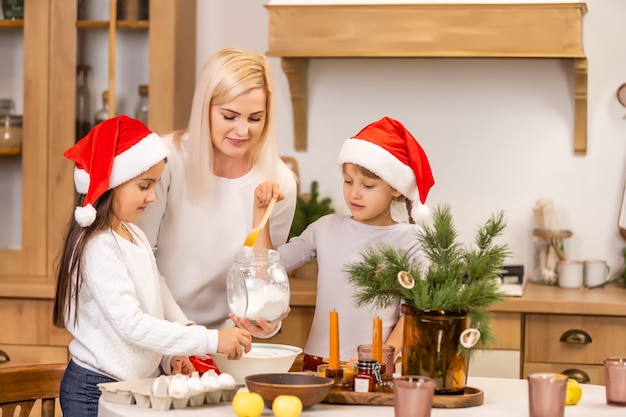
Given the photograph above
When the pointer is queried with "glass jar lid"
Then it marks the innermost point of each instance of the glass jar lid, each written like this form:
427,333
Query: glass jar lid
7,106
10,120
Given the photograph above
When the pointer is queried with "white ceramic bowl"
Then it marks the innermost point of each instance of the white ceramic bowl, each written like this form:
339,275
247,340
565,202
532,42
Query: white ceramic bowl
263,358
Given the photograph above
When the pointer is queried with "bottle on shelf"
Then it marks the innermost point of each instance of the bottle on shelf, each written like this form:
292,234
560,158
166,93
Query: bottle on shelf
10,127
102,114
133,9
141,113
83,102
13,9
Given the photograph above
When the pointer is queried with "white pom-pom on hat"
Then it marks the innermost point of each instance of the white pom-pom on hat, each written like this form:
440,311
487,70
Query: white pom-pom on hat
85,216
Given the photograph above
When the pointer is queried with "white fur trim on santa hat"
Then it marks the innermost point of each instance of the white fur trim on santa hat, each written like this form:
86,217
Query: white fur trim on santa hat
382,163
85,216
132,162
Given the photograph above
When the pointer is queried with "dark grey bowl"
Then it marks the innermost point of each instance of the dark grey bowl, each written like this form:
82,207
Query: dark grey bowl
311,389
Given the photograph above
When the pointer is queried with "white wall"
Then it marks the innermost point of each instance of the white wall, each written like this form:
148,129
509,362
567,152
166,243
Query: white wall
498,132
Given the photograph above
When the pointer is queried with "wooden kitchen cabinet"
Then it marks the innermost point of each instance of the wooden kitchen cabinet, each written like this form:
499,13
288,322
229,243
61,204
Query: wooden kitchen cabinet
28,335
592,324
48,39
501,359
572,344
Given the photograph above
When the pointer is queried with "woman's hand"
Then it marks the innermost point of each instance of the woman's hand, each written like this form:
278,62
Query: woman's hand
262,328
181,365
234,342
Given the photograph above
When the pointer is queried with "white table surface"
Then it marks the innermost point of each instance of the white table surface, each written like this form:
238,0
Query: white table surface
503,397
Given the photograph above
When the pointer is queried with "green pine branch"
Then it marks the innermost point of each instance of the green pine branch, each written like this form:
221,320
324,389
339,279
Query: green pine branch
454,277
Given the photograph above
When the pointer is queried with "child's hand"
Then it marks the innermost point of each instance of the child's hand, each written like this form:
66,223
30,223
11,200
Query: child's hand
181,365
234,342
264,193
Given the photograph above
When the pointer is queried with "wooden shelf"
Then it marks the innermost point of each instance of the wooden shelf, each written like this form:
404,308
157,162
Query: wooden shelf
11,151
104,24
11,23
51,35
539,30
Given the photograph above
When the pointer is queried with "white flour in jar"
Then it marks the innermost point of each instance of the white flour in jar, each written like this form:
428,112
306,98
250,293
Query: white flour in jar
264,301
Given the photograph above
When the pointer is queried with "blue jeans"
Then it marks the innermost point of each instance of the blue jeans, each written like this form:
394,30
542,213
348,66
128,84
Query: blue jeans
79,391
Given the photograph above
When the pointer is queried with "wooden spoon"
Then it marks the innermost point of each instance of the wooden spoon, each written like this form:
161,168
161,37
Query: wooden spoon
254,233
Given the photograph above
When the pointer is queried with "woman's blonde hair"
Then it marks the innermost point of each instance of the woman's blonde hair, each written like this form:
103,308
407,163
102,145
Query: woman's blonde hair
227,74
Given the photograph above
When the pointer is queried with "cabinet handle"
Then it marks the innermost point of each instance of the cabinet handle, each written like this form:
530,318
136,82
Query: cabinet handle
577,374
4,357
576,337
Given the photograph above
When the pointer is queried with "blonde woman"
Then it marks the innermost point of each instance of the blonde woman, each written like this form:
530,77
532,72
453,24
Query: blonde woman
204,204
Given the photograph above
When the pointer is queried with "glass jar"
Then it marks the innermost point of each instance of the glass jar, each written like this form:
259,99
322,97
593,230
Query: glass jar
364,352
365,376
548,249
13,9
83,102
257,285
133,9
10,127
141,113
11,132
102,114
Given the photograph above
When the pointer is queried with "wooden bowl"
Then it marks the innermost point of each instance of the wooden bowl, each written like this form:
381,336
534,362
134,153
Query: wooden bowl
311,389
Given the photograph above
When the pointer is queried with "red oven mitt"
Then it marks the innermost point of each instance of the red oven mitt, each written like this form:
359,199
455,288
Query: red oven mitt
204,363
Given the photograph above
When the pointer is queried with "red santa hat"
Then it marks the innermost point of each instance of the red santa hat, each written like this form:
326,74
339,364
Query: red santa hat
113,152
389,150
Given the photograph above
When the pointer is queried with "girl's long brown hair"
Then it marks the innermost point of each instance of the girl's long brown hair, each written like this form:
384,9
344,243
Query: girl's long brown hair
70,263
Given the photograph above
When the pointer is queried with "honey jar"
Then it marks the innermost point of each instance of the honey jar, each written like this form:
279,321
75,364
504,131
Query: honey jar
11,132
365,376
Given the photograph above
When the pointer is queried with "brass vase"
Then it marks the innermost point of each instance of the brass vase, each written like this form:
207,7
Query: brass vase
431,347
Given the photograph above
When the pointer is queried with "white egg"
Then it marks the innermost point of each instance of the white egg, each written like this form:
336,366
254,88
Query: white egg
160,386
195,385
179,387
210,381
226,380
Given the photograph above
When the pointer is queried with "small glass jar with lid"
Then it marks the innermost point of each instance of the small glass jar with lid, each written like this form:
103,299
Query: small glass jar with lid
10,127
365,376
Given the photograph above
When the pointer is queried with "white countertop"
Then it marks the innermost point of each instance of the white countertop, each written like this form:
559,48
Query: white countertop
502,397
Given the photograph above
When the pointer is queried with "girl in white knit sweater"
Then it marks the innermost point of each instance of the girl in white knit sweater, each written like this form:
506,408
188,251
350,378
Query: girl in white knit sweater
110,295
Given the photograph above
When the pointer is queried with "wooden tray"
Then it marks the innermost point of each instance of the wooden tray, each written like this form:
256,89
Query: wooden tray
470,398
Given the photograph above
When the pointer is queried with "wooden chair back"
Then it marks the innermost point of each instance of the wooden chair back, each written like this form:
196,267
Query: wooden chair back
22,386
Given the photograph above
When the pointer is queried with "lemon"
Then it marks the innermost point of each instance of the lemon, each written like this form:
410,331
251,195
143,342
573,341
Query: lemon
248,404
287,406
573,393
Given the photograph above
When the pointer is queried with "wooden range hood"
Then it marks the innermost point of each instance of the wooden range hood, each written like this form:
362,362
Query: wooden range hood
538,30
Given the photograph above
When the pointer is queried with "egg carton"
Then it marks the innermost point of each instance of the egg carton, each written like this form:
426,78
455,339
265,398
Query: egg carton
140,392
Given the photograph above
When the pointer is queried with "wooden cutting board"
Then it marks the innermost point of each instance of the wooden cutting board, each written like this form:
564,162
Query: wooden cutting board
472,397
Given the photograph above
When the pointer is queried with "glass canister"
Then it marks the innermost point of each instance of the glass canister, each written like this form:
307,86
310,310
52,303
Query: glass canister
548,249
141,112
257,285
10,127
83,102
13,9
